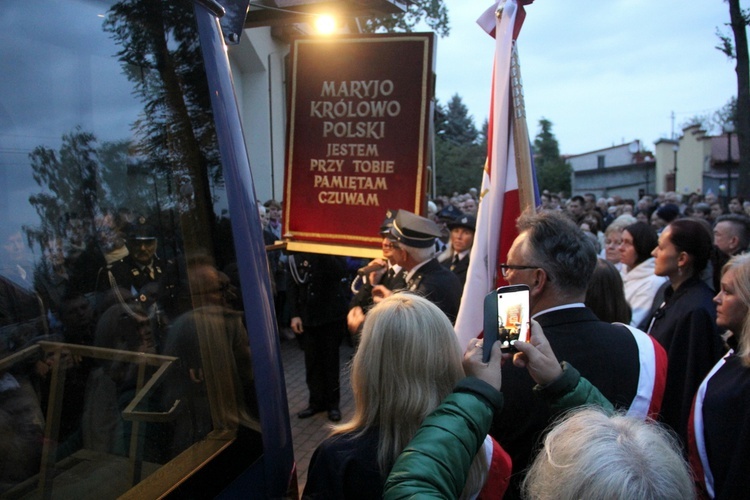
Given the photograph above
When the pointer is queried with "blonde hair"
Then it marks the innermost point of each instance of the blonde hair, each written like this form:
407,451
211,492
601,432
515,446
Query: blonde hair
407,362
740,264
593,455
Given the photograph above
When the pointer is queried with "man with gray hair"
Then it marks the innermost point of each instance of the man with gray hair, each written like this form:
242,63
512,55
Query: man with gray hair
413,240
555,259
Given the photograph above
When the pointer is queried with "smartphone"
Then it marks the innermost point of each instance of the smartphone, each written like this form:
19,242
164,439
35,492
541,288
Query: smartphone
506,318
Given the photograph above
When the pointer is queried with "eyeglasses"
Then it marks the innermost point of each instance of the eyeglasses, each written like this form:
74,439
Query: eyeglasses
391,245
504,268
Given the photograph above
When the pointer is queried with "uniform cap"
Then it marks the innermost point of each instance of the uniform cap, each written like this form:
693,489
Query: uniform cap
449,213
385,227
468,221
142,230
413,230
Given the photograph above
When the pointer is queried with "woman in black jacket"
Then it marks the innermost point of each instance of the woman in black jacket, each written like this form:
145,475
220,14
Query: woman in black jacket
685,324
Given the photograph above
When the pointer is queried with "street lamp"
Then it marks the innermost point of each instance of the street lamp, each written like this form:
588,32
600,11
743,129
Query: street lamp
728,129
675,148
325,24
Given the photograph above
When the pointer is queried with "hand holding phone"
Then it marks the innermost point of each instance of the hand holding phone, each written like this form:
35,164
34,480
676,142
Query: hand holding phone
474,366
537,356
506,317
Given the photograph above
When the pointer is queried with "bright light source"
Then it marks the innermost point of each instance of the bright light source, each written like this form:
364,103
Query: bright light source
325,24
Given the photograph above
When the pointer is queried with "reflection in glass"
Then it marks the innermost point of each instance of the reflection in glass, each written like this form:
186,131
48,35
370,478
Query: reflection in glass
122,343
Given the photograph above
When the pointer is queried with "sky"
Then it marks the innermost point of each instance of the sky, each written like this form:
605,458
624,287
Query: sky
603,72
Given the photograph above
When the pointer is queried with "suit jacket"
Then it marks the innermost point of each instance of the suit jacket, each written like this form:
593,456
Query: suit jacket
320,299
363,297
459,269
439,285
721,424
604,353
686,326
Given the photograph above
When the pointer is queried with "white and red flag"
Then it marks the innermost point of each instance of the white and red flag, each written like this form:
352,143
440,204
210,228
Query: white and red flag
500,204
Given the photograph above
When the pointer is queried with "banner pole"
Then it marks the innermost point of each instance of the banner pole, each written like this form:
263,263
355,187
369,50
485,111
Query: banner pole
526,196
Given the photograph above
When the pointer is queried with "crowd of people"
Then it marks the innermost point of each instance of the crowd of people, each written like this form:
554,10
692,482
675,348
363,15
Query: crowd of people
646,304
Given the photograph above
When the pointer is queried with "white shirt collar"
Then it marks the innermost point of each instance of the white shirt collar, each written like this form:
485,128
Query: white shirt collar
559,308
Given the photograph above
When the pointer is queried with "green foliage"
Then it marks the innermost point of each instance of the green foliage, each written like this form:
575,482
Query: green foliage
458,166
456,125
726,40
460,151
552,172
433,12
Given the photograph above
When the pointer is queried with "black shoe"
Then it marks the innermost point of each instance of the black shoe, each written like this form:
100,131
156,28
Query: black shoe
334,415
309,412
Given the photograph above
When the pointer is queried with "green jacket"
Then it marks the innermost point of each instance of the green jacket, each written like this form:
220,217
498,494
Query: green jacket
436,461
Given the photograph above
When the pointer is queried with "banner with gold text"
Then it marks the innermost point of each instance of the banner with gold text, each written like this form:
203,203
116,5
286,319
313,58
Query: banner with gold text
359,117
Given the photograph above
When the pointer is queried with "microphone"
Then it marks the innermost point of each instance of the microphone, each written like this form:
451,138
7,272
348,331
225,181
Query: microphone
364,271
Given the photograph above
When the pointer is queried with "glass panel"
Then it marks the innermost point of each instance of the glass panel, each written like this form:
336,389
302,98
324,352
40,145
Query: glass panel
123,347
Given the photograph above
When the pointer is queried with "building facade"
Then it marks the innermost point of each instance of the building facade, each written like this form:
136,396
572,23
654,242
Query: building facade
623,170
695,162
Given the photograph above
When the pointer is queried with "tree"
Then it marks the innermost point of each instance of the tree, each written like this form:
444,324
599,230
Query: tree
69,177
459,154
433,12
456,125
735,47
713,123
160,54
552,172
84,178
458,167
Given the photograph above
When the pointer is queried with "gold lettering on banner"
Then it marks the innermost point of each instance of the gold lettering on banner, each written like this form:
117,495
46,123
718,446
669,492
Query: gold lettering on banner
357,88
353,109
326,165
334,110
350,182
342,198
336,149
354,130
373,166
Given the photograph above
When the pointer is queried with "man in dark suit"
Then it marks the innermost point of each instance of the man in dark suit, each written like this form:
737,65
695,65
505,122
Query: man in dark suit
414,246
318,309
555,259
462,238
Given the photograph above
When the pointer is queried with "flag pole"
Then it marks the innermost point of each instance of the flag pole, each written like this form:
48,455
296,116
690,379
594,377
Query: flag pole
526,197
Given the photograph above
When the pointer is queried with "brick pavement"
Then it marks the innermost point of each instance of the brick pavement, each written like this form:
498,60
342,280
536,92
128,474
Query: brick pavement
308,433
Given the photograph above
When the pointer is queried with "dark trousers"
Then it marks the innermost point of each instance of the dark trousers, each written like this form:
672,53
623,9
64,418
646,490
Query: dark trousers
321,344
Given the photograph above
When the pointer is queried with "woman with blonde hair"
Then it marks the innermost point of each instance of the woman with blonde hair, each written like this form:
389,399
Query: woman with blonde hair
408,360
613,238
720,423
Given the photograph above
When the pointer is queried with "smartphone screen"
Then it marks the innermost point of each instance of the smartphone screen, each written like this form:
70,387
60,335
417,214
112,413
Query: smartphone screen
506,317
512,315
